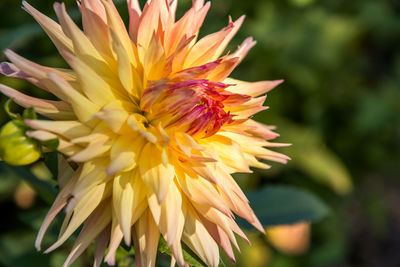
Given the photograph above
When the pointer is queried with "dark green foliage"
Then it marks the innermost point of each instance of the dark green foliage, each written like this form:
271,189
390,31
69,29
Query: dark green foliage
275,205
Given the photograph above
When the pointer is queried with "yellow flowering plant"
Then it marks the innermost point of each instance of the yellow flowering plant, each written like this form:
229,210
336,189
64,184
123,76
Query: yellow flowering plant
150,128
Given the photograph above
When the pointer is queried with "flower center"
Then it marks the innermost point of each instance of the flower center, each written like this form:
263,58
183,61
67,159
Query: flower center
198,107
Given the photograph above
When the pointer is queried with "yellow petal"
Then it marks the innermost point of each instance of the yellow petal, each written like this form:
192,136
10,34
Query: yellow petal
57,110
93,226
124,153
93,86
118,27
82,210
155,174
146,240
123,194
253,89
200,191
199,240
38,74
228,151
65,171
83,107
82,46
100,246
125,69
52,29
64,146
67,129
128,199
116,237
59,203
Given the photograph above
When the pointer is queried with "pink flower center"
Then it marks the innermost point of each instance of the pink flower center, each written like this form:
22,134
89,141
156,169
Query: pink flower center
198,107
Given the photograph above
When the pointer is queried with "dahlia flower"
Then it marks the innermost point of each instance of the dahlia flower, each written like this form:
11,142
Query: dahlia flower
154,128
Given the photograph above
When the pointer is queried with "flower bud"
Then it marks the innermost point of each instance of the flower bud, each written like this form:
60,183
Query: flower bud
15,147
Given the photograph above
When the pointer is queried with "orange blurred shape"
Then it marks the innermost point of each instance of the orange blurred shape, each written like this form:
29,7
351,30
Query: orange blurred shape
290,239
24,196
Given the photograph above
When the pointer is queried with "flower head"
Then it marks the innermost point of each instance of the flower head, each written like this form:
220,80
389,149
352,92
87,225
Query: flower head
154,125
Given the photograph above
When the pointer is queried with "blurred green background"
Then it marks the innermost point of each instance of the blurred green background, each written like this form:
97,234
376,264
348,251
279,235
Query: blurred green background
339,107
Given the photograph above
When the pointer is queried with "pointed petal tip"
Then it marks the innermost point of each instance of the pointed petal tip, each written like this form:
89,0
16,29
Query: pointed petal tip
56,5
127,240
110,261
110,171
9,53
38,245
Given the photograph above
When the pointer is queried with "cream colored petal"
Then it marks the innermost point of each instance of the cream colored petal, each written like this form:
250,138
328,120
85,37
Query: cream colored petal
116,237
128,199
127,73
147,236
199,240
37,74
81,212
93,86
100,246
94,150
157,175
93,174
59,203
123,194
67,129
94,225
201,191
64,146
82,46
249,108
124,153
83,107
118,27
253,89
255,146
228,150
57,110
218,218
220,237
186,143
52,29
243,49
65,171
170,211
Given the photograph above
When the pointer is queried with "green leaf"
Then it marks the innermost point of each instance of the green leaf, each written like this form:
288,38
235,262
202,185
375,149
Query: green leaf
51,144
188,255
51,161
124,257
275,205
29,113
